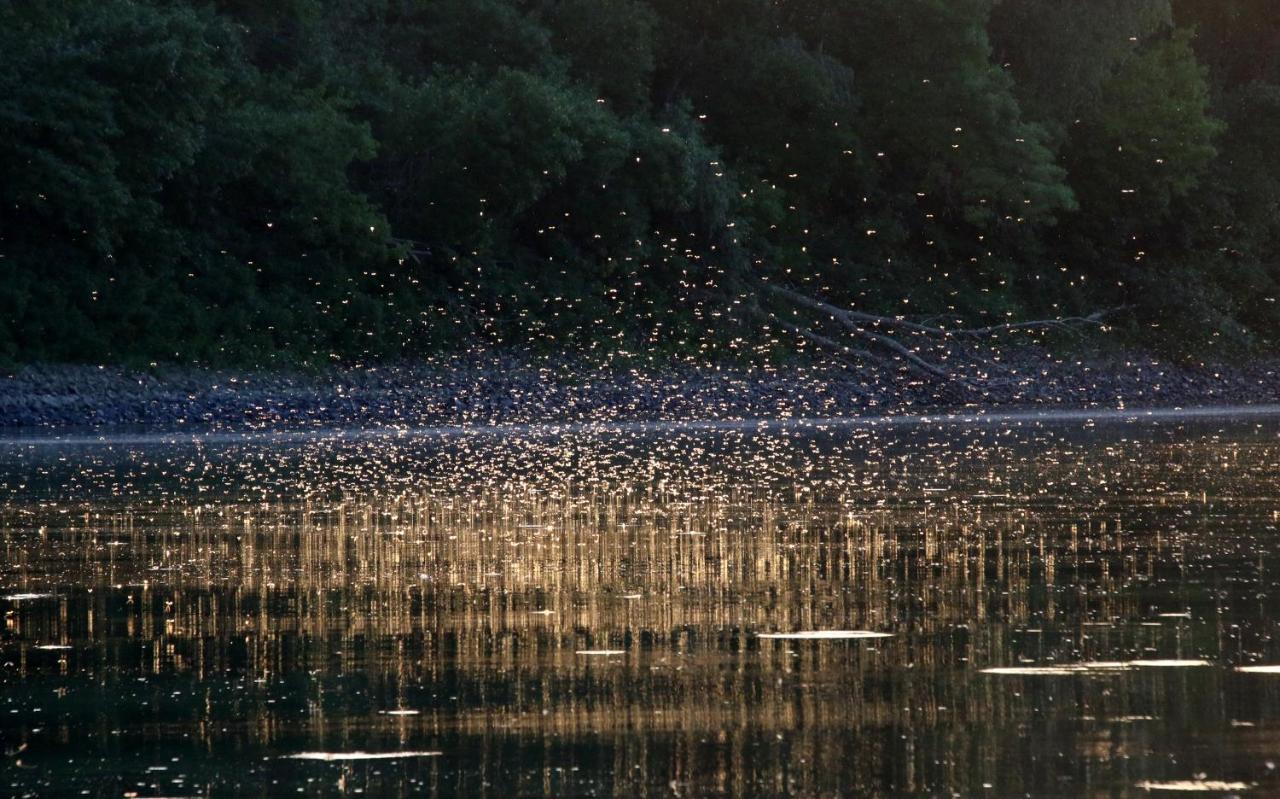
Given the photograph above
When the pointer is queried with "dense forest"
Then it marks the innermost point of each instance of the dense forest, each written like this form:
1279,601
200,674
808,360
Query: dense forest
309,180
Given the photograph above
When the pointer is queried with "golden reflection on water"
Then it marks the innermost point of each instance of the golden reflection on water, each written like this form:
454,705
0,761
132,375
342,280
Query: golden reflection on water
460,622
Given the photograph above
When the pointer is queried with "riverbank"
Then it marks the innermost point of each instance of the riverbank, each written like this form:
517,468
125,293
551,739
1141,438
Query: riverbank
499,390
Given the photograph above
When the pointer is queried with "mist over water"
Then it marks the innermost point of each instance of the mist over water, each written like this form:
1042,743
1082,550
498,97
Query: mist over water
1024,607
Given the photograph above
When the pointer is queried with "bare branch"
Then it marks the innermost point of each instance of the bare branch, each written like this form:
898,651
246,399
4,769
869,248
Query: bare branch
1066,322
854,316
859,318
851,319
875,330
829,343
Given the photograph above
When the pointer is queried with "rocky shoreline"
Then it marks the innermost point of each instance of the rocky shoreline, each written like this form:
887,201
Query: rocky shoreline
498,389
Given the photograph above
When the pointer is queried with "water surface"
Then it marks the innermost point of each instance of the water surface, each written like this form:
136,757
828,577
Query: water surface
1018,606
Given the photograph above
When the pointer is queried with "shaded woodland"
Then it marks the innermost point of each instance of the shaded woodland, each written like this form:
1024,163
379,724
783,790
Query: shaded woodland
307,181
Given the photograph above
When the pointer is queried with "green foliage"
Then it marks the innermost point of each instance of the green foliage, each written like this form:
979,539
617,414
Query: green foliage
476,154
609,45
947,132
162,197
99,108
1238,40
1061,52
309,180
1149,139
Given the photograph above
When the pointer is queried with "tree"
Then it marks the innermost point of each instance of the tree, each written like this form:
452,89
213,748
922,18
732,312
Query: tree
1061,52
152,178
1147,142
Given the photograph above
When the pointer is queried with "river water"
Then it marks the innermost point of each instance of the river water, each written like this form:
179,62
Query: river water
1026,605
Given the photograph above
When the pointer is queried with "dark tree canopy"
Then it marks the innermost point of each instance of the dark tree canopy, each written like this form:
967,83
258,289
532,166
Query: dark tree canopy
241,181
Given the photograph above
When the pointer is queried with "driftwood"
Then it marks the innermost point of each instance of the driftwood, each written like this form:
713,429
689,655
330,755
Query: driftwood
882,332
